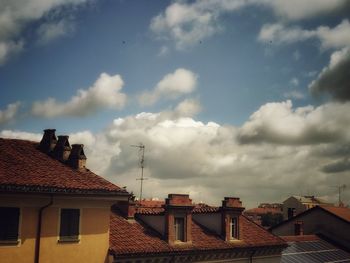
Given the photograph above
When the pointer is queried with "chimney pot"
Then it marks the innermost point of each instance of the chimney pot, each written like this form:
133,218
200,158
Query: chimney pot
48,141
62,149
77,158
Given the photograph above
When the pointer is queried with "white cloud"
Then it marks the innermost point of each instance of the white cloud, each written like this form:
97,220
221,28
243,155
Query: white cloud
189,23
9,113
104,93
15,15
48,32
300,9
188,107
289,149
294,82
171,86
280,123
10,134
278,34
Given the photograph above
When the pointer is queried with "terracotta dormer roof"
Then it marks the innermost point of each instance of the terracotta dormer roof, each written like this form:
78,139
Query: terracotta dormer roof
24,168
136,238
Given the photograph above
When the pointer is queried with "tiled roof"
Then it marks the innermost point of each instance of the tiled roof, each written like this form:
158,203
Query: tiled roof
156,208
263,210
23,168
204,208
342,212
133,237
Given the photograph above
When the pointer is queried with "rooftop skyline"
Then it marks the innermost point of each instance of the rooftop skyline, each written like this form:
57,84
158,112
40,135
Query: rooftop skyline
231,98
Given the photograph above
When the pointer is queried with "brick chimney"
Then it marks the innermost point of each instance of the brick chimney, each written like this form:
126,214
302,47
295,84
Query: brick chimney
231,210
127,208
49,140
178,218
62,149
77,158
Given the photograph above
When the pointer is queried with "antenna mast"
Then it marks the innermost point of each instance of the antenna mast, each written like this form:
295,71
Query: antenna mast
340,189
142,164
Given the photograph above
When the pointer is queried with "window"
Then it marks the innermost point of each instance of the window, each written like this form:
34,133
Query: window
291,212
9,223
298,228
179,229
69,225
234,228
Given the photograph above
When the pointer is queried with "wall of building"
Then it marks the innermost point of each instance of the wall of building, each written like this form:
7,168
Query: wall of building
292,202
157,222
209,220
94,230
319,221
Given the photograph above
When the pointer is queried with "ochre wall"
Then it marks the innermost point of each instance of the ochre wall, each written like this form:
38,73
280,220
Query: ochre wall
94,231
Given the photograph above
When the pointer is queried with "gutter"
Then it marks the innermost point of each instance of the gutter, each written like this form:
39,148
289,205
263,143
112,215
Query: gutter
38,231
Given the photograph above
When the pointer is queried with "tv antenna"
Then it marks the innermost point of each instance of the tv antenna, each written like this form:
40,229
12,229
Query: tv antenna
142,164
341,188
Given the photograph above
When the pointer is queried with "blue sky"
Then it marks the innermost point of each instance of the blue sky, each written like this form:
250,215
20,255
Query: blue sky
255,92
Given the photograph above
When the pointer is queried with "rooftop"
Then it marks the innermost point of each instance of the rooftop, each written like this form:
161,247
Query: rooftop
134,237
24,168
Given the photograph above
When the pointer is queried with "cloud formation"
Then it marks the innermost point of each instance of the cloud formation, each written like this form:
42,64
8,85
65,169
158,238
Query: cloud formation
15,15
278,34
9,113
171,86
187,23
104,93
279,123
265,160
50,31
334,79
300,9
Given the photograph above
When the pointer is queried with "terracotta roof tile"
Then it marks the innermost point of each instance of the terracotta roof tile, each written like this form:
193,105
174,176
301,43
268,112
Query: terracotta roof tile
24,168
342,212
263,210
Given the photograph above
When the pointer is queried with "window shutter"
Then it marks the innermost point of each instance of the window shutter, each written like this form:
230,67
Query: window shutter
9,223
69,227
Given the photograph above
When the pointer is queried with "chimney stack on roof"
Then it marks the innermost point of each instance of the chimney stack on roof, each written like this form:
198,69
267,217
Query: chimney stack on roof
231,210
77,158
178,218
62,149
49,141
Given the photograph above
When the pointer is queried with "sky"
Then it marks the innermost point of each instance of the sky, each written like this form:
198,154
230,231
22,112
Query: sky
244,98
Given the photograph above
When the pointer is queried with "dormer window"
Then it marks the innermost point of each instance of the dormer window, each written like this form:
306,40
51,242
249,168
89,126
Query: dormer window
179,224
234,228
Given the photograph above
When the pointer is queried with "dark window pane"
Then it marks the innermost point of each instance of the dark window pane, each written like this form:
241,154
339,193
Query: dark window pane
9,222
69,227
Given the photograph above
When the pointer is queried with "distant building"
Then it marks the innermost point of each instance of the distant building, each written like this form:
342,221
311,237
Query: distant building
330,222
265,214
295,205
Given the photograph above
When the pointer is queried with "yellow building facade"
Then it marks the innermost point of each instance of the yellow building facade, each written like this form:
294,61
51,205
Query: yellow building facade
52,208
93,241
